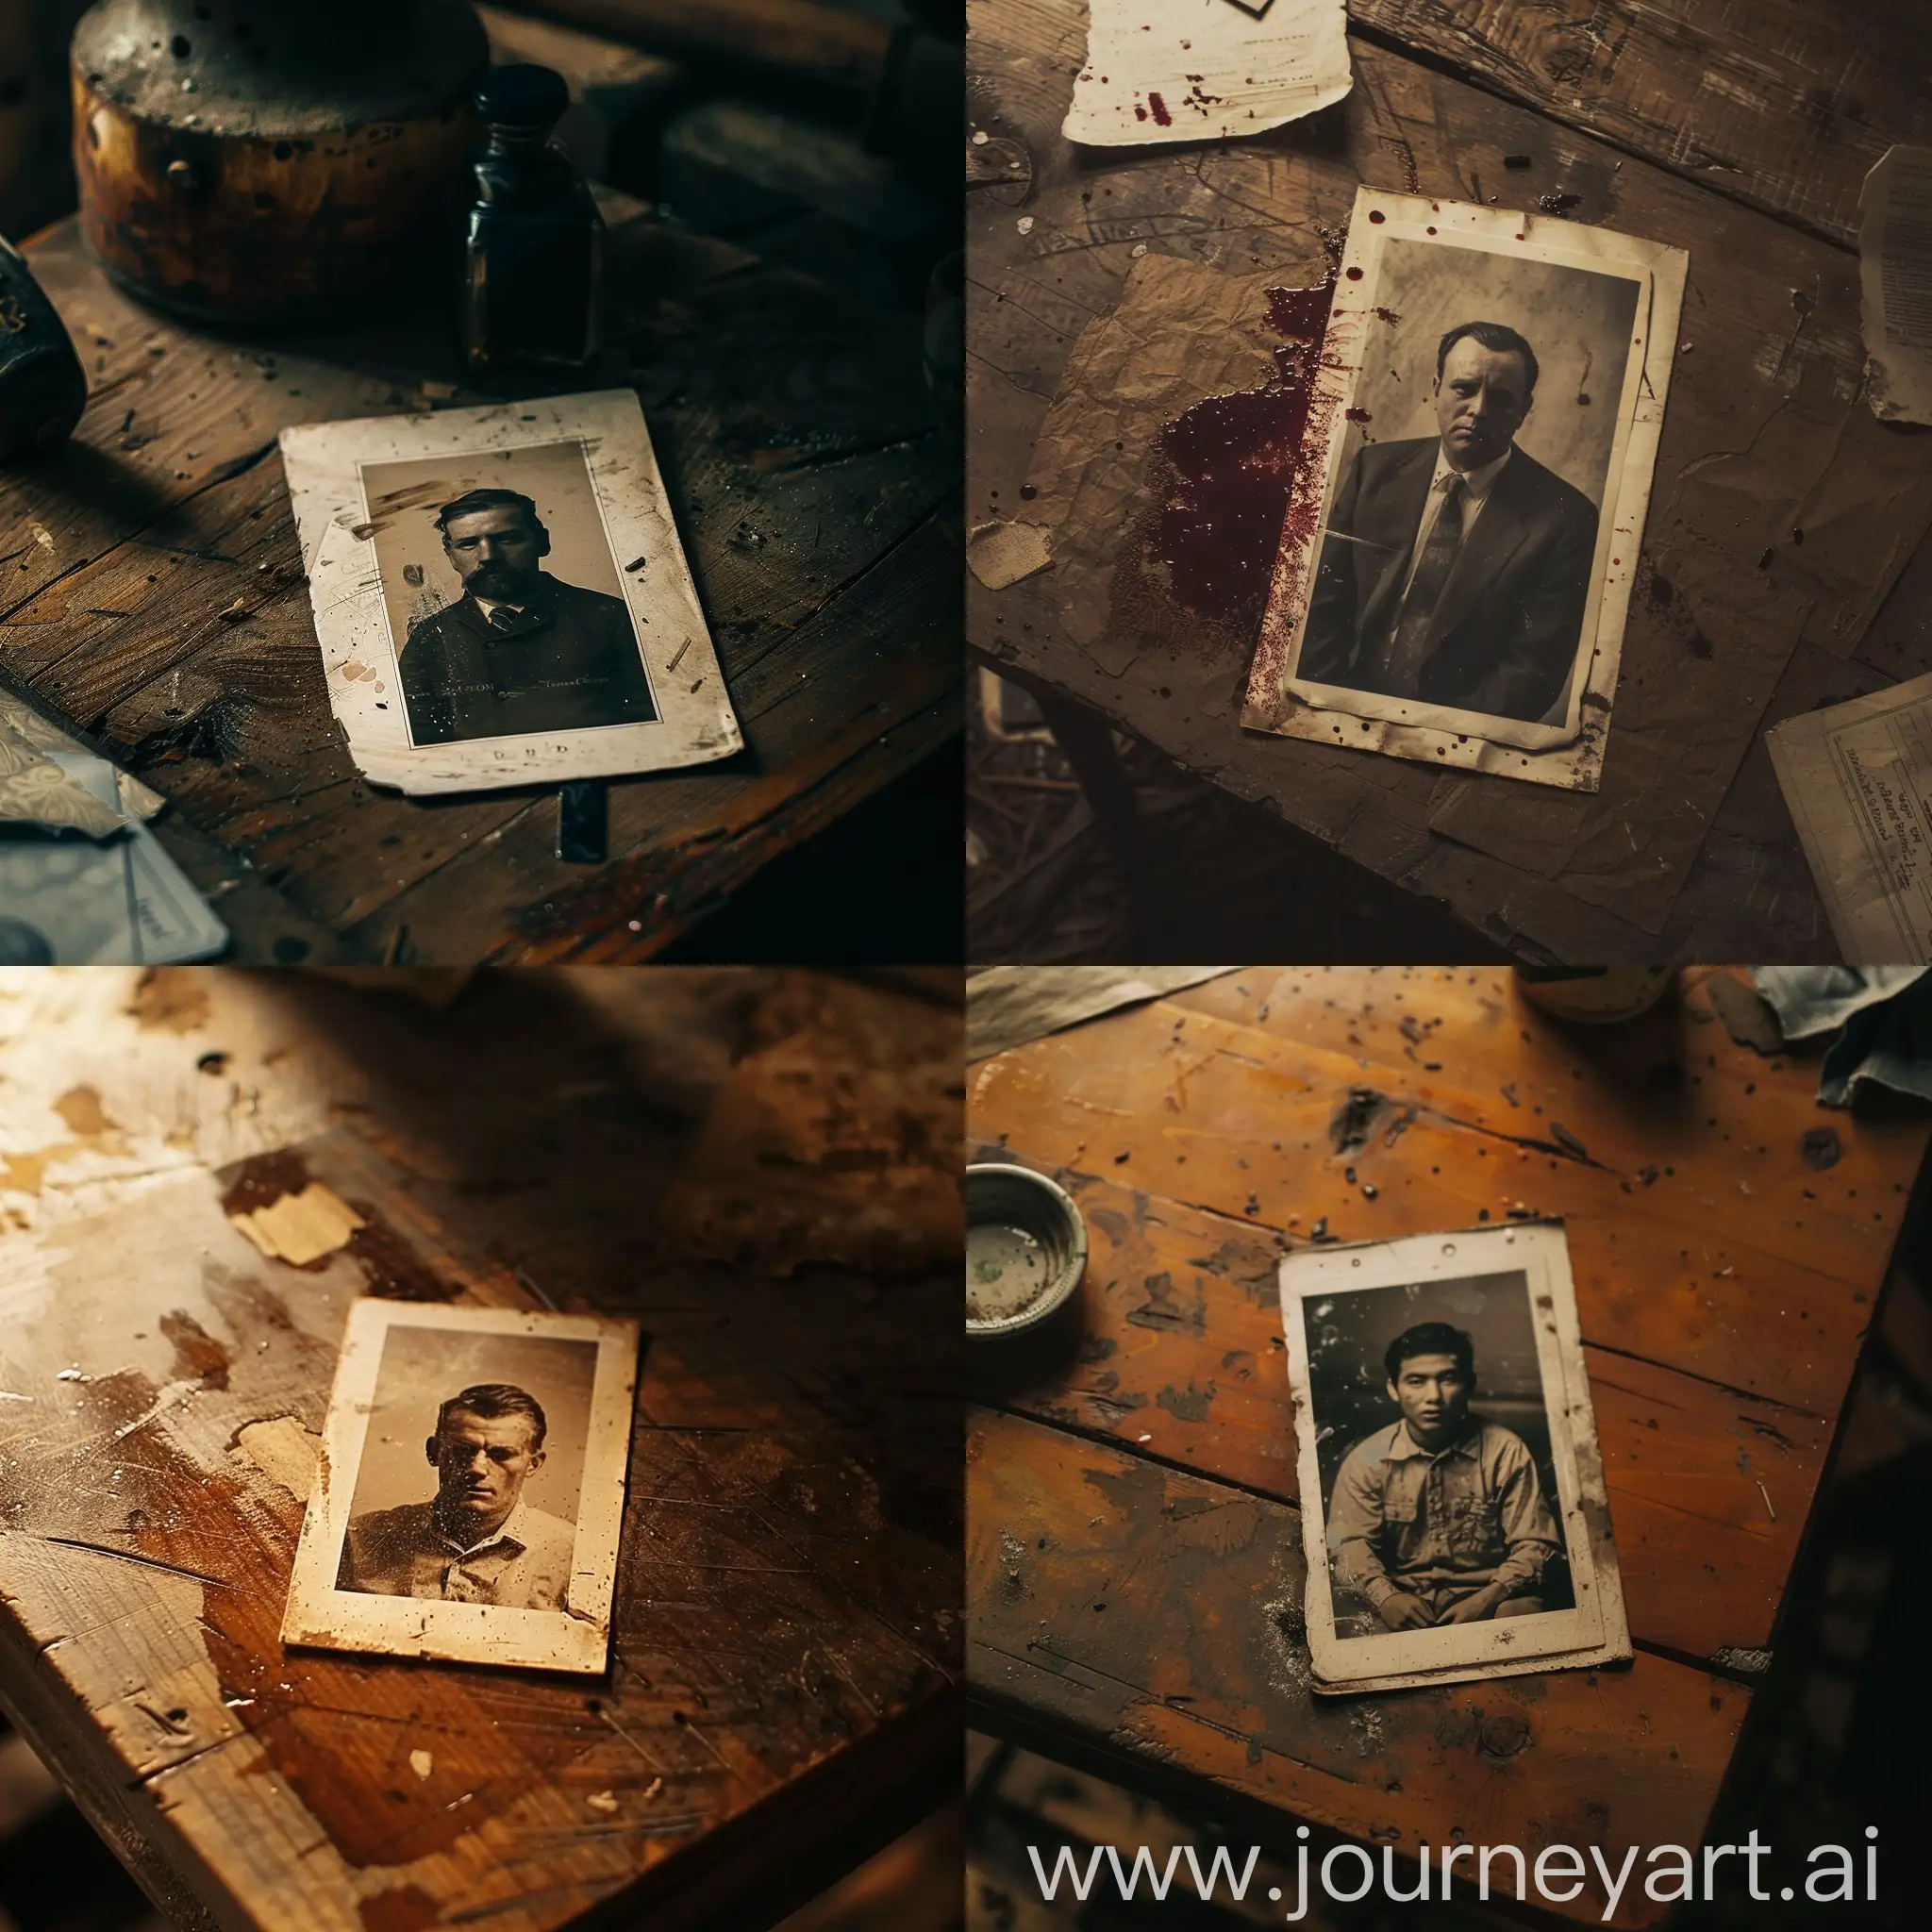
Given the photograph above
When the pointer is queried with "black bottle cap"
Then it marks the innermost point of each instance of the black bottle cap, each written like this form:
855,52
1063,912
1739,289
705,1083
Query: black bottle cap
523,96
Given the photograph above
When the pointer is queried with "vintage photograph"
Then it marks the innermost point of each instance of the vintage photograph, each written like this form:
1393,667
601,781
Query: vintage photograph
1492,387
501,596
471,1487
1453,1500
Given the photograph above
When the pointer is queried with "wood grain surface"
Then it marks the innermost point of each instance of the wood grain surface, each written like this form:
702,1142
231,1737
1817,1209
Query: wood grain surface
784,1640
1782,553
1728,1238
152,595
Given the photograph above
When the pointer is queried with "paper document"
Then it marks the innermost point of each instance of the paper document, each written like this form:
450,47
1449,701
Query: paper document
1858,778
1198,70
1895,279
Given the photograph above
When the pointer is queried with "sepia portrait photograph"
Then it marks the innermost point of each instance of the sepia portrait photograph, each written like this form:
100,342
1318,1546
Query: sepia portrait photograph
1454,1509
501,596
1491,415
471,1487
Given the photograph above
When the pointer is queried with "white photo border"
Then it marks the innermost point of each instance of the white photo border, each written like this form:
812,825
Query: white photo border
1569,753
362,660
1597,1631
317,1615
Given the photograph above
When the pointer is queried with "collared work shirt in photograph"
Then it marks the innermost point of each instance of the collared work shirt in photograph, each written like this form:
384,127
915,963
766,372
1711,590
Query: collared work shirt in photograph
1462,1518
400,1552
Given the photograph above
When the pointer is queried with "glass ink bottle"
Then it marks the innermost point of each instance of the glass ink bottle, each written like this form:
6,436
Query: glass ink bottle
533,254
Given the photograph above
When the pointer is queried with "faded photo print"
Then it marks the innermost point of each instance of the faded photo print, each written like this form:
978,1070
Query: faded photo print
503,599
471,1469
1433,1437
1458,562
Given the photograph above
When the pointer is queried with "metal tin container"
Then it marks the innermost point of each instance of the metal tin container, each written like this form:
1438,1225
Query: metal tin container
273,161
1026,1249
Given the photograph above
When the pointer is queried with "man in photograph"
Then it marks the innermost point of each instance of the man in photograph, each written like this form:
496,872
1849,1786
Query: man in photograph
1456,569
521,653
477,1540
1438,1517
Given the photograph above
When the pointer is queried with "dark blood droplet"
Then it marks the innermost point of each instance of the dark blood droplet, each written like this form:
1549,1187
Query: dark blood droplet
1375,214
1583,398
1354,275
1161,117
1027,492
1360,416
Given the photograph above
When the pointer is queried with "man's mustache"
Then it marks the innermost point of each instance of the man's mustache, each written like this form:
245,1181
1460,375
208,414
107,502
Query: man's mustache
497,577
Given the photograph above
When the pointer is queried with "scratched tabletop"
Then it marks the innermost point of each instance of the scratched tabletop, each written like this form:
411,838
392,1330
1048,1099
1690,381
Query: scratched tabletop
1134,1559
1784,564
784,1675
152,596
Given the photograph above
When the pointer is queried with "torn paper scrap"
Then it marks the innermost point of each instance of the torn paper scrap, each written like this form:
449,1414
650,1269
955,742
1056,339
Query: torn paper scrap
1895,282
300,1228
1200,70
1002,553
1857,779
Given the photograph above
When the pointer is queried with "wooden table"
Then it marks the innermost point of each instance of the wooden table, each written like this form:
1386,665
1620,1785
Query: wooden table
152,595
1782,514
1134,1566
783,1690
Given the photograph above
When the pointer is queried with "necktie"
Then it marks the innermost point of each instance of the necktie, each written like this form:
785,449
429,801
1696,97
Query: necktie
1410,640
503,618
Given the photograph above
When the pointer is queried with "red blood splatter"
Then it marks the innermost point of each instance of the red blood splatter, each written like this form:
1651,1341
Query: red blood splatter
1429,231
1161,117
1358,416
1139,112
1583,399
1375,214
1230,462
1354,275
1388,315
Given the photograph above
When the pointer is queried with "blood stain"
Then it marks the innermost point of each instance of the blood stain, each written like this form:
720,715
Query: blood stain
1354,275
1229,465
1161,117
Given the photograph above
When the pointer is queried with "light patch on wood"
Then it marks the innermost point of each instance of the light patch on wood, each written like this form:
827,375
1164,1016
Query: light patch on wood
80,1107
300,1228
1003,554
422,1763
284,1451
604,1802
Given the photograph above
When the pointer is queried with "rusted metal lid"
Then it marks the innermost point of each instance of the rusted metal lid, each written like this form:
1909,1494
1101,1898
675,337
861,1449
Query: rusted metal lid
281,69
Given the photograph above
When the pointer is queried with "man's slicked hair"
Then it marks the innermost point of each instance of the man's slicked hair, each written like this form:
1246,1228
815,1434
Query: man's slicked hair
1431,1337
473,500
487,1401
1493,336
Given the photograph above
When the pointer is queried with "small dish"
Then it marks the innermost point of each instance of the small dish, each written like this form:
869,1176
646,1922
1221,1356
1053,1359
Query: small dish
1025,1248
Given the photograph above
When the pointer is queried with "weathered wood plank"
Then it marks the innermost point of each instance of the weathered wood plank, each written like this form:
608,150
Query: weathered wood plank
787,1614
154,594
1154,1615
1783,105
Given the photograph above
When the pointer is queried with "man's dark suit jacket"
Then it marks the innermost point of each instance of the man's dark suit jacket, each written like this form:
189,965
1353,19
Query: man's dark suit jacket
1507,626
568,663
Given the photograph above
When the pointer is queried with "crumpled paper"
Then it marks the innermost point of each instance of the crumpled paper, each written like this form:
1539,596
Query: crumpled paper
1882,1016
35,791
1008,1005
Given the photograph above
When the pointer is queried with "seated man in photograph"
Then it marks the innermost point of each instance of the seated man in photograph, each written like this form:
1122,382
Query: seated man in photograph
477,1540
521,652
1438,1517
1456,568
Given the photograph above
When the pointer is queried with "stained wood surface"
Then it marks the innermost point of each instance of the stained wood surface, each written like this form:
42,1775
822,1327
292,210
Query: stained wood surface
1726,1270
151,594
786,1628
1738,622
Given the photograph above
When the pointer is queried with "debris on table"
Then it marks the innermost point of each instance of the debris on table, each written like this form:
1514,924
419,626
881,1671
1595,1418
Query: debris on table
1879,1017
1202,69
1895,284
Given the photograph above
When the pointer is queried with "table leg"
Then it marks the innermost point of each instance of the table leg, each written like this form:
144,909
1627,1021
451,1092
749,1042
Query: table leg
1087,739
